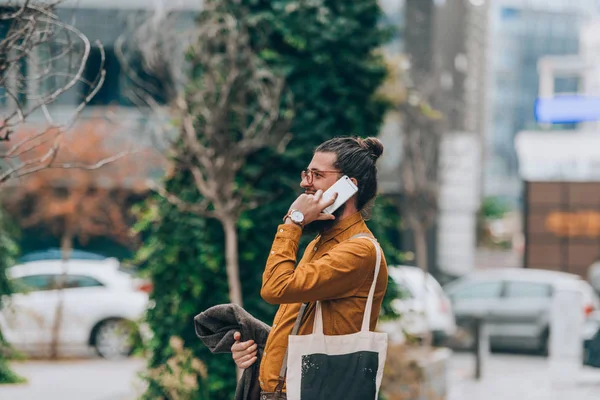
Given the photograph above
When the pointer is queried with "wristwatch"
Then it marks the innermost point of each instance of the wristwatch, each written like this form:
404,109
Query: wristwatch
296,217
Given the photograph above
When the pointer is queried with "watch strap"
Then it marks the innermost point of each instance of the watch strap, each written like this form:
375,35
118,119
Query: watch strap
289,215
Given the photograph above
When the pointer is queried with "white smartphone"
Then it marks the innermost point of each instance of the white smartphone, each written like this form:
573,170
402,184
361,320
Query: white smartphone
344,188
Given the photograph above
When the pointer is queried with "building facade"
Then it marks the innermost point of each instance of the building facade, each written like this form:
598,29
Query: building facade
521,32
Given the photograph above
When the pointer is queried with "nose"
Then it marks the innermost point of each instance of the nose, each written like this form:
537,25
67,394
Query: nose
304,183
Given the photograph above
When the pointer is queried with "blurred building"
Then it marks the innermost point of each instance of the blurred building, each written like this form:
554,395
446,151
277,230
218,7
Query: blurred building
562,171
520,33
483,58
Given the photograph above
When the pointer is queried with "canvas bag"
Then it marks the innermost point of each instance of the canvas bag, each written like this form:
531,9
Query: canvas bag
339,367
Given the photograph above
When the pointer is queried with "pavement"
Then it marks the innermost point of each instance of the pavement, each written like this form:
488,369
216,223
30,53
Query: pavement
521,377
505,376
81,379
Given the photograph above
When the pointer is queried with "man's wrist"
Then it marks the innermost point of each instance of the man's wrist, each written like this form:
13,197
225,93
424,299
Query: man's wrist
295,217
288,221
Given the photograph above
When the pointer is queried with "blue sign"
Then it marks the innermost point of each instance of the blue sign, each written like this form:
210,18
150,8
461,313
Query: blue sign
567,109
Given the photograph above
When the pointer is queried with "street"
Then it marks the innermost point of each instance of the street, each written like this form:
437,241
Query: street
506,376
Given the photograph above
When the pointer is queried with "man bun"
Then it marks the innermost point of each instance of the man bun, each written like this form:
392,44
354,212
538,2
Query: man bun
374,146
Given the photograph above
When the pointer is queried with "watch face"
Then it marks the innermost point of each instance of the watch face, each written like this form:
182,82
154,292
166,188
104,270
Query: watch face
297,217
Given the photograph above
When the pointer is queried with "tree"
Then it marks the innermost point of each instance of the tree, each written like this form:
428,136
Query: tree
229,109
77,204
8,252
326,53
41,59
419,170
421,133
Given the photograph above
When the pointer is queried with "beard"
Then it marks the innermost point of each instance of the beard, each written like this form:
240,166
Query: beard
316,227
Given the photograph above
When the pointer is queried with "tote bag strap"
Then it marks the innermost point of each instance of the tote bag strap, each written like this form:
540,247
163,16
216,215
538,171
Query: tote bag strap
283,370
318,324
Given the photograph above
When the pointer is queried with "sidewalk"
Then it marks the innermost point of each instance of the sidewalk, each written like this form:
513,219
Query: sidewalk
520,377
505,377
86,379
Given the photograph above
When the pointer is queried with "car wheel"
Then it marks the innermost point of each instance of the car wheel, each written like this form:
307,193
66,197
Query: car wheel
113,338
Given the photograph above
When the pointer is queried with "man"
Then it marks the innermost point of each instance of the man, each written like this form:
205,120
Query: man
335,269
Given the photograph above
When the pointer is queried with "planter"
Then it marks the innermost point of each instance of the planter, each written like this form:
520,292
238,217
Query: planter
416,373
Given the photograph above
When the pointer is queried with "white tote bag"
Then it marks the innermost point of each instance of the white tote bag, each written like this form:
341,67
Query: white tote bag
341,367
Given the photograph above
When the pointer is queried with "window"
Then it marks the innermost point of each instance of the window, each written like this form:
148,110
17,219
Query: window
110,91
35,283
81,281
527,290
486,290
507,13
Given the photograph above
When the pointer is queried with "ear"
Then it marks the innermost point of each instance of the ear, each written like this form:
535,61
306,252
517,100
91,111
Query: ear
354,181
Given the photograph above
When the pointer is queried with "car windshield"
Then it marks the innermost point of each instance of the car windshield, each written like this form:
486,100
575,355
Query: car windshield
56,254
129,269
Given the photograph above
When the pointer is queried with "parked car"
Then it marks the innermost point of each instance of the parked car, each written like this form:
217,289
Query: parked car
424,307
101,305
515,303
56,254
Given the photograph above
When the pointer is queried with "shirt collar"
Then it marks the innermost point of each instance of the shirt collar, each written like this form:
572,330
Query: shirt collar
341,226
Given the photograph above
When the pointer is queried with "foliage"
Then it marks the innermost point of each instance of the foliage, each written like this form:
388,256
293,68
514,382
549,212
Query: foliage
326,51
493,208
179,376
8,252
188,275
80,203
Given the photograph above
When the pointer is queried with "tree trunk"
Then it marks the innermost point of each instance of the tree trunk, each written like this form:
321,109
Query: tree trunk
66,245
420,236
232,267
231,260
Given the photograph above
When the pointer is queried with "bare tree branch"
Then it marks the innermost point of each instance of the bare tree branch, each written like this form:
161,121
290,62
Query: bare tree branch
41,59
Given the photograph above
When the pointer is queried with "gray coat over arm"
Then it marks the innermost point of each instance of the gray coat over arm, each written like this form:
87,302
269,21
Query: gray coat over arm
216,326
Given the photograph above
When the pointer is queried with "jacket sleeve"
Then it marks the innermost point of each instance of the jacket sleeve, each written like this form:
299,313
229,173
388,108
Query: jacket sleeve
336,274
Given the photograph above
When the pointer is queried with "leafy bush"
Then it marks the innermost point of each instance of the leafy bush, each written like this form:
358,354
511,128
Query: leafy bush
9,250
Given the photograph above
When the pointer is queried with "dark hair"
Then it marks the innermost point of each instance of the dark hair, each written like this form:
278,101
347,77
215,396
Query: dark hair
356,157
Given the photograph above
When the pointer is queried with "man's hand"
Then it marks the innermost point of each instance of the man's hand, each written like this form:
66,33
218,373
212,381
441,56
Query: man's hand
312,206
244,353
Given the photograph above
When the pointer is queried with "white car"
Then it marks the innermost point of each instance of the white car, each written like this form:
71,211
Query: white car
424,307
515,302
101,306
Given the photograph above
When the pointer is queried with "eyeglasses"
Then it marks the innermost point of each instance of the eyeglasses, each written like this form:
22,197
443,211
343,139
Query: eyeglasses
309,174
